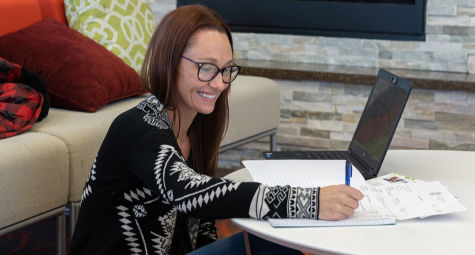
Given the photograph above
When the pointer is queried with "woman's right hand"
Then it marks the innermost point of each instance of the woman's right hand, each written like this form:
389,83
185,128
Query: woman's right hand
338,202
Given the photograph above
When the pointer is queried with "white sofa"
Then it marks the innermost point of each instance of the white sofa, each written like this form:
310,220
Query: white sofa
43,171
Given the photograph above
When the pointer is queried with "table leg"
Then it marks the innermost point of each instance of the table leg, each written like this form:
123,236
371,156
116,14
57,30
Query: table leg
247,245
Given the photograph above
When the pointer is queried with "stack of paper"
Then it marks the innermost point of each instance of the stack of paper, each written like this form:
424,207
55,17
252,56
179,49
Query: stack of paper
386,198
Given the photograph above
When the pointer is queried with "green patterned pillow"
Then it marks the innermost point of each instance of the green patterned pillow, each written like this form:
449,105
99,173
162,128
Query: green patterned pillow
122,26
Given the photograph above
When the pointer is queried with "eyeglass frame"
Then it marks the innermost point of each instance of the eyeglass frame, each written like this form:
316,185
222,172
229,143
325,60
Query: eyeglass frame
219,70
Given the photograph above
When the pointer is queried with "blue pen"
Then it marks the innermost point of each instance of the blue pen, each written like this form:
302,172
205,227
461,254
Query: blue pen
348,172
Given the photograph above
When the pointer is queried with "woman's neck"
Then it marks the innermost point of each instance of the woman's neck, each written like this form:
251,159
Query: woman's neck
180,121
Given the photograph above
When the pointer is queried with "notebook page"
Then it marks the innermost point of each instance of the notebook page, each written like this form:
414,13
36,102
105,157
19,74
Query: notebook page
301,173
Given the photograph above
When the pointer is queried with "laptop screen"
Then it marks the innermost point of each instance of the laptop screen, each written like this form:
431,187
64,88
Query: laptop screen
381,116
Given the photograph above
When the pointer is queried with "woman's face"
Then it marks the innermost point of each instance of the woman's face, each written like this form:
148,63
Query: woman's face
195,96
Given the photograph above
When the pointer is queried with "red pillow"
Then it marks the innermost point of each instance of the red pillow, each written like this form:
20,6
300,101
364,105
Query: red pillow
79,73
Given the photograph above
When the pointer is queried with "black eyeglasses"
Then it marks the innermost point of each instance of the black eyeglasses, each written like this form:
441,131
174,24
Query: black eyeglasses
208,71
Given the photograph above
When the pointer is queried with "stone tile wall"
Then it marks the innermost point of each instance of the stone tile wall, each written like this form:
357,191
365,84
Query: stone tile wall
317,115
449,45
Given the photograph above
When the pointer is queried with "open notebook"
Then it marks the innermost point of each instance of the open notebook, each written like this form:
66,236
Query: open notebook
385,200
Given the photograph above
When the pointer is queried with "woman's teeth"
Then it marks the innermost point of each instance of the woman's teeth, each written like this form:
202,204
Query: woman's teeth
210,96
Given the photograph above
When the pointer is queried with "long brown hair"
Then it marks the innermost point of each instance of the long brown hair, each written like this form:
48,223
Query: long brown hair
160,71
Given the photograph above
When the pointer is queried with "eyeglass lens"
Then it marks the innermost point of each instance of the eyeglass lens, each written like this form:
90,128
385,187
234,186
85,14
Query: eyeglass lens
207,72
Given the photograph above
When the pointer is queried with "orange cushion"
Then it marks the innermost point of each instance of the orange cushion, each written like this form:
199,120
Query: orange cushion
17,14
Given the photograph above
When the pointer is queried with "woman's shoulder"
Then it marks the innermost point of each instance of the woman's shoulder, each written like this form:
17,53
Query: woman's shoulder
149,112
149,117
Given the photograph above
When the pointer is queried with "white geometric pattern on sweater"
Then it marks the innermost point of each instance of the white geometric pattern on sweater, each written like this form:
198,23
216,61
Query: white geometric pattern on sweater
129,216
130,236
155,116
196,198
163,243
301,203
92,177
137,194
193,226
205,196
163,158
258,207
186,174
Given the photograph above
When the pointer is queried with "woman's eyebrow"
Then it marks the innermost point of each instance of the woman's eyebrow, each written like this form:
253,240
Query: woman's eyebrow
213,60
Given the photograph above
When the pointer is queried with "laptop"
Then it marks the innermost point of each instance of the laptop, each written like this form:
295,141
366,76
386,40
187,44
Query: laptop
375,129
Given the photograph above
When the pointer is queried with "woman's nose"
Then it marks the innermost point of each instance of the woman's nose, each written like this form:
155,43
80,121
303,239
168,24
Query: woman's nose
218,83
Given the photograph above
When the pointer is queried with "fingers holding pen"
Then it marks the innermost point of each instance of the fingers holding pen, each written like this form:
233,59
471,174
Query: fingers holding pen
337,202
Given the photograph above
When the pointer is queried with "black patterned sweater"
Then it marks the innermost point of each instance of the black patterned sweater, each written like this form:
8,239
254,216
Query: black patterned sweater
143,197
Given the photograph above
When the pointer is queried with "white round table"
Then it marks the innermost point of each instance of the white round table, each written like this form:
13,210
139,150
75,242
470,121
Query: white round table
442,234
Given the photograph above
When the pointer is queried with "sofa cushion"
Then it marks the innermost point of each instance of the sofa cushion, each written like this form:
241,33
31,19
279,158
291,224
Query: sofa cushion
82,132
34,176
123,27
79,73
254,107
19,14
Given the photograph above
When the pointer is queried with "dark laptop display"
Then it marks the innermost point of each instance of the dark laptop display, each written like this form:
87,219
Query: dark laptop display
375,129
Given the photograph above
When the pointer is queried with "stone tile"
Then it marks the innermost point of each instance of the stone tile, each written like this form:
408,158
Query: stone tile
424,95
440,135
404,132
419,106
350,118
314,133
341,136
311,97
312,106
471,63
441,7
448,20
435,30
309,142
347,109
325,116
331,88
357,90
299,114
455,122
450,96
418,115
409,142
283,130
385,54
420,124
466,3
455,108
299,120
456,30
440,145
350,100
349,127
325,125
339,145
285,113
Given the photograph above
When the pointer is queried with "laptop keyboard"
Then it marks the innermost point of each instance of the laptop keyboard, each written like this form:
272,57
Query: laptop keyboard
330,155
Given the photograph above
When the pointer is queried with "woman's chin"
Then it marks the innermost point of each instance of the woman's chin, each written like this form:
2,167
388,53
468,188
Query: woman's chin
205,109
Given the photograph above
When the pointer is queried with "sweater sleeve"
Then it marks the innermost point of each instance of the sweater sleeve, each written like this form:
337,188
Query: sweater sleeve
160,165
206,233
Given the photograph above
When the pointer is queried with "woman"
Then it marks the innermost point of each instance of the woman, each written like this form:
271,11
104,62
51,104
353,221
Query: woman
150,190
